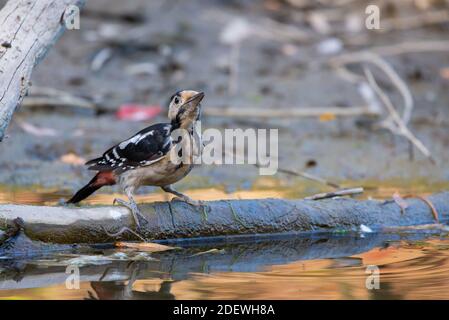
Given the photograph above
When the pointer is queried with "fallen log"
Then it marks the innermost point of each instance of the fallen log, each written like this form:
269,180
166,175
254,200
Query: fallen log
28,30
174,220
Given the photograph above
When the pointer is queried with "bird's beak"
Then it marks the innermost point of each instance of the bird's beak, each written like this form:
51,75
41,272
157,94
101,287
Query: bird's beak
196,99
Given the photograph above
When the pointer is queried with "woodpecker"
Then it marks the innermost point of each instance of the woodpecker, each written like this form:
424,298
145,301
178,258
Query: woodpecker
145,158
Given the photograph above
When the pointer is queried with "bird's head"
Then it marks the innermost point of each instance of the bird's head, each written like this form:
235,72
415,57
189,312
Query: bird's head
185,107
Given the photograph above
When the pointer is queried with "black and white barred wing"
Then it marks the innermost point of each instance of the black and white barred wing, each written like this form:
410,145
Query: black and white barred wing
144,148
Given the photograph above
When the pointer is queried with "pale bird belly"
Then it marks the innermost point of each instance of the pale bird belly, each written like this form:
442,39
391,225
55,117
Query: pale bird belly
161,173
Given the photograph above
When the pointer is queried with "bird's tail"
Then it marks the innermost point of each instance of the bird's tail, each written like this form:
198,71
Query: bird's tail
101,179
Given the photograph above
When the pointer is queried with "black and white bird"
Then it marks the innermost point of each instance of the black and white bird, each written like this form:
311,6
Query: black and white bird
146,159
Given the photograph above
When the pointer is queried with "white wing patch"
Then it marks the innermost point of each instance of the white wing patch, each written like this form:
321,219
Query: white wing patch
125,143
136,139
143,136
149,162
116,155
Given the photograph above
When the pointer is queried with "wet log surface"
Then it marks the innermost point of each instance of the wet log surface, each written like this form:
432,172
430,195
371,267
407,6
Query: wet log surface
165,221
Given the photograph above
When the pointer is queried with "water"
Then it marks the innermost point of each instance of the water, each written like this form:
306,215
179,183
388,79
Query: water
412,264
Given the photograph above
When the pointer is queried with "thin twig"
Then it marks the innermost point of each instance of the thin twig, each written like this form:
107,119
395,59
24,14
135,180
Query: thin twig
50,97
309,176
397,124
293,112
391,50
369,57
123,230
338,193
428,202
415,21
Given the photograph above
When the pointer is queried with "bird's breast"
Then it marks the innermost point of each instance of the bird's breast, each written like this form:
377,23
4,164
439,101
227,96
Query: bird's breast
161,173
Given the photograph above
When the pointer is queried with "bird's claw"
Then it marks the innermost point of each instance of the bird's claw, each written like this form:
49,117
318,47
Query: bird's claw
195,203
134,210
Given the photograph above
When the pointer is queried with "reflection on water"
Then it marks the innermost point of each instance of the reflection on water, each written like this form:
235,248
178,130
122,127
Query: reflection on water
412,266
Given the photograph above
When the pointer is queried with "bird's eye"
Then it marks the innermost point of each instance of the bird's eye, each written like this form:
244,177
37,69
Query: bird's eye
176,100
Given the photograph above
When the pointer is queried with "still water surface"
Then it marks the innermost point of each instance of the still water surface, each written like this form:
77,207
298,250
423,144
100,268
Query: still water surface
413,264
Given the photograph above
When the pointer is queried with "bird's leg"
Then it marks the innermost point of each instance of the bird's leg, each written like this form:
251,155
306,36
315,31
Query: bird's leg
132,206
182,196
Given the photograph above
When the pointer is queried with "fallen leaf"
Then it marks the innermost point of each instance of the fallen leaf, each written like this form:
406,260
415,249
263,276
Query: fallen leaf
144,246
136,112
326,117
71,158
444,73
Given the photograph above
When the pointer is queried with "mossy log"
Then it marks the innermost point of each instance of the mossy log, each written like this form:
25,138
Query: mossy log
174,220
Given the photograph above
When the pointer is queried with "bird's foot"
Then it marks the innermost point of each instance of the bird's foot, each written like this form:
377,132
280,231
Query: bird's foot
132,206
122,231
186,199
194,203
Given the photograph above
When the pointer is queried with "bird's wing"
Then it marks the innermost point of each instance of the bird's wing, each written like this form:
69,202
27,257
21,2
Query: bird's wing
144,148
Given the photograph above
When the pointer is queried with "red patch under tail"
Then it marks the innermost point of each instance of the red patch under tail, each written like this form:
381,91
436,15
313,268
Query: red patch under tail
105,178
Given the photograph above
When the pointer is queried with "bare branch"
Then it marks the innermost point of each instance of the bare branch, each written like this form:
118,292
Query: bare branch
397,125
30,28
338,193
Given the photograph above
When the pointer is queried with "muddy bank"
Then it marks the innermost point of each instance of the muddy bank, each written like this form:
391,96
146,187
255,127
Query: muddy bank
221,218
275,75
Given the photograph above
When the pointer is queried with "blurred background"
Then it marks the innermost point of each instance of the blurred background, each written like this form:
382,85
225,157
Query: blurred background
310,68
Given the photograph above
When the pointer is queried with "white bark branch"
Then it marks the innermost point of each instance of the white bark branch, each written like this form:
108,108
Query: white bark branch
27,31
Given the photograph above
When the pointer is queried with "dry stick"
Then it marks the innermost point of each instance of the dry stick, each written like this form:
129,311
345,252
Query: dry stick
336,2
274,30
391,50
397,126
416,21
44,97
389,72
338,193
402,23
309,177
428,202
63,101
123,230
291,112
